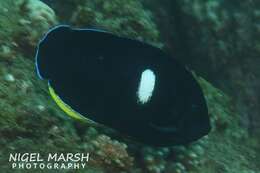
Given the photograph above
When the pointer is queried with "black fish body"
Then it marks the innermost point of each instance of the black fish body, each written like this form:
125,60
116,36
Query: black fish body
124,84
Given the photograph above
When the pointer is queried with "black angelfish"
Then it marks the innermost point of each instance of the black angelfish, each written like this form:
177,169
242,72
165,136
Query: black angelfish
125,84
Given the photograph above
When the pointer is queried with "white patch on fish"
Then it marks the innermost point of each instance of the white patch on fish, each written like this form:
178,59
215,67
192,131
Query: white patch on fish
146,86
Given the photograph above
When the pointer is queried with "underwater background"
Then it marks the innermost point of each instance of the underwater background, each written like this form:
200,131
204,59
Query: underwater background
218,40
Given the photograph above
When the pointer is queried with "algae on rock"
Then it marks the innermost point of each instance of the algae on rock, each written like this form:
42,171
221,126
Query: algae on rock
123,17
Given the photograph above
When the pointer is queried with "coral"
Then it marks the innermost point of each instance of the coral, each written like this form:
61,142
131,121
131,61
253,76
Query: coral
154,159
123,17
38,12
111,152
23,22
6,53
36,15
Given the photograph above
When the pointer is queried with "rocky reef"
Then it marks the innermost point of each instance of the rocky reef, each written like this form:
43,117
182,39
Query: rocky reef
31,122
221,39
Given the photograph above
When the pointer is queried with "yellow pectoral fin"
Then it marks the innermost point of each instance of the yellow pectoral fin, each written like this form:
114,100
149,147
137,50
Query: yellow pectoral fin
67,109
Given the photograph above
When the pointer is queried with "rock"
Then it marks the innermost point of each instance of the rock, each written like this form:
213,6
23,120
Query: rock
38,18
41,108
27,21
9,78
38,12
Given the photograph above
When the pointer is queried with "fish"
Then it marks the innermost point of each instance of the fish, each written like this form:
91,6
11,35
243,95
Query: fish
135,88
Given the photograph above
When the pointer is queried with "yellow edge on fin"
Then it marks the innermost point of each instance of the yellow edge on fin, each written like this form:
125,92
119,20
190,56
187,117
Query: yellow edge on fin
67,109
